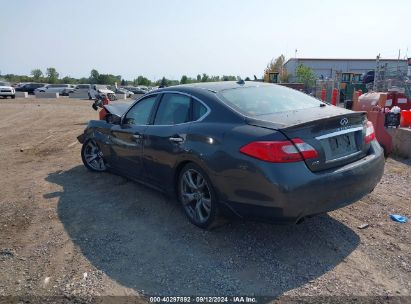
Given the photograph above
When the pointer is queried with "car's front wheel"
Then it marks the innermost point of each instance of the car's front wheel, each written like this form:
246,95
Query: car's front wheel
92,156
197,196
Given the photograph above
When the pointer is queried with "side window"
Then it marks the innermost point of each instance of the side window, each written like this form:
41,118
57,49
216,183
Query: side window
198,110
174,109
139,114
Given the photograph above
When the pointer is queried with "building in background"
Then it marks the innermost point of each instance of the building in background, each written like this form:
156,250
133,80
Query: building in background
328,68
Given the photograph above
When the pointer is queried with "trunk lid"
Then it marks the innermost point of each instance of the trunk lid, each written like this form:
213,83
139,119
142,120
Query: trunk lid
336,134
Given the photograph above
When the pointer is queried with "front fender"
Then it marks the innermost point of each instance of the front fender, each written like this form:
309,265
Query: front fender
81,138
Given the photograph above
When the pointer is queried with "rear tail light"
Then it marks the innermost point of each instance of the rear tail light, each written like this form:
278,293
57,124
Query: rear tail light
369,132
280,151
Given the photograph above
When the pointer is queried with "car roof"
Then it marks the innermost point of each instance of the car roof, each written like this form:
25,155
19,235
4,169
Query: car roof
215,86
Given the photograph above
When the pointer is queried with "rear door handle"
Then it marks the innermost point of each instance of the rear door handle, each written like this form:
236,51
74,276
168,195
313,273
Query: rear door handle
176,139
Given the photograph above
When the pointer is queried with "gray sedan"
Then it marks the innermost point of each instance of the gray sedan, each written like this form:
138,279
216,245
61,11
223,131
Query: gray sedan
250,149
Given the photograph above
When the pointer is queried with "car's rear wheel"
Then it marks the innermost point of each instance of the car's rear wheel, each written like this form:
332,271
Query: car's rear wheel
92,156
111,96
197,196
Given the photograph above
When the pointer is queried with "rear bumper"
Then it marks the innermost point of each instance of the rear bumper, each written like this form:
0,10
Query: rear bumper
289,192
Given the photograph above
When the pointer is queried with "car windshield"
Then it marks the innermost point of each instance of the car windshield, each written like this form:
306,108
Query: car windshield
6,84
260,100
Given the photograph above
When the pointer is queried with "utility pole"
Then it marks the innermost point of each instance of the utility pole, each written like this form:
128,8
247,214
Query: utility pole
376,74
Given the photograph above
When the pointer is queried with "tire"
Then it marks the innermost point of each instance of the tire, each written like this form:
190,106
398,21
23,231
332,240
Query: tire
92,156
13,97
112,97
197,196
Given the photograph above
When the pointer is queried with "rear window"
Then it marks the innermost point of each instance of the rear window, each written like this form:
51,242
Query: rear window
254,101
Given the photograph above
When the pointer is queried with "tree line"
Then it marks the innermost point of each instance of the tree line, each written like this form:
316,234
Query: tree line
303,74
52,76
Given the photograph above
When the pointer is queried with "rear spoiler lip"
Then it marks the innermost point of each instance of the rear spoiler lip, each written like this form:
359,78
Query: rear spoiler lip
280,126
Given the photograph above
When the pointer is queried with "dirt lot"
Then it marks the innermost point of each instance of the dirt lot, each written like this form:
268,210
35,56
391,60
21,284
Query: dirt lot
66,231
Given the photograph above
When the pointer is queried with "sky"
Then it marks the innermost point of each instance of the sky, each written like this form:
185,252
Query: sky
157,38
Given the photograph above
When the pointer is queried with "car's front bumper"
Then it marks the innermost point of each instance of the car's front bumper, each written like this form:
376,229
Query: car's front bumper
7,93
289,192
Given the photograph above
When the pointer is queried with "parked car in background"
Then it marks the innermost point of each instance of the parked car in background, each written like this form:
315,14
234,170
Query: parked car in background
68,90
29,87
253,149
135,90
55,88
19,85
82,88
97,89
144,88
6,90
368,77
121,91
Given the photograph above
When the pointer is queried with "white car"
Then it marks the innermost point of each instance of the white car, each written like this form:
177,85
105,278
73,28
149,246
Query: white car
54,88
97,89
82,88
6,90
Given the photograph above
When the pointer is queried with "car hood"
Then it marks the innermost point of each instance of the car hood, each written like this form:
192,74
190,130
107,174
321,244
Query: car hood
117,109
5,87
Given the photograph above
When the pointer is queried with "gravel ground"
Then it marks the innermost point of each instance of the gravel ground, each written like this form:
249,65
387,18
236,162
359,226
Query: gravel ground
67,232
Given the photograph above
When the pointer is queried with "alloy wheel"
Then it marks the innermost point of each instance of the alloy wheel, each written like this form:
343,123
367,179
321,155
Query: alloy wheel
196,196
93,156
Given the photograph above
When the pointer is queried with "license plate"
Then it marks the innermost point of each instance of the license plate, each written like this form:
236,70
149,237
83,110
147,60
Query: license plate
342,145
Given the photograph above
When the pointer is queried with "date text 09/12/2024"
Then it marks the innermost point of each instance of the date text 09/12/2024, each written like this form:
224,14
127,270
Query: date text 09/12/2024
203,299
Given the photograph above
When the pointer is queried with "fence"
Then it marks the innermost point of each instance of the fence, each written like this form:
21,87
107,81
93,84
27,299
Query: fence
329,85
387,78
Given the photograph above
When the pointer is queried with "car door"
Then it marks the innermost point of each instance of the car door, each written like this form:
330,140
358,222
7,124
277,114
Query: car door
51,88
164,140
47,88
128,137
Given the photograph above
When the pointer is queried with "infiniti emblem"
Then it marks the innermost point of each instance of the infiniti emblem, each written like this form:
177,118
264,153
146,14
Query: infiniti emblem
344,121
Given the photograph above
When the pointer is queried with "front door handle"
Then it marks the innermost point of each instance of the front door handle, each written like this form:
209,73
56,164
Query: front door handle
176,139
137,136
